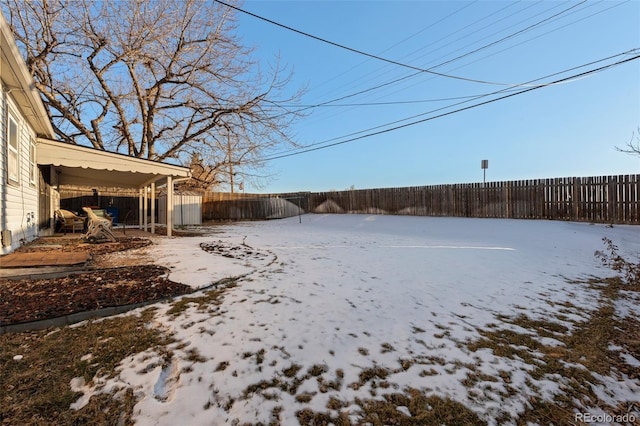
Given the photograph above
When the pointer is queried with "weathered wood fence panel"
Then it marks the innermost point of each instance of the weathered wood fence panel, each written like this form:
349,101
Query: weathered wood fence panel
606,199
241,206
125,201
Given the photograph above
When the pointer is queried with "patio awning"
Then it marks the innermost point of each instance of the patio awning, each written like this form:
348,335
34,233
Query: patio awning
79,165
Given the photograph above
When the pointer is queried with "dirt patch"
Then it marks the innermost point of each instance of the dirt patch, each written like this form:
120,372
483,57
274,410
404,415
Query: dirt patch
131,257
67,244
124,275
38,299
233,251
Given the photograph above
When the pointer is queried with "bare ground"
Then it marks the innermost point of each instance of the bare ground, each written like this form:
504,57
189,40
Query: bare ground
122,274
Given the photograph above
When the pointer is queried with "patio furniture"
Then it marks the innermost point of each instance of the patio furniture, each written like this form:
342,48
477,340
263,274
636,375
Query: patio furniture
69,221
101,213
98,229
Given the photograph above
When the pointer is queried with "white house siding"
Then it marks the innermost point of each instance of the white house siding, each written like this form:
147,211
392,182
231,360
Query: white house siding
18,201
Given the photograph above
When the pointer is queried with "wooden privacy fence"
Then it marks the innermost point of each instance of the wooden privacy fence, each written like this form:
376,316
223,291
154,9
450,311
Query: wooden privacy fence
608,199
605,199
241,206
124,200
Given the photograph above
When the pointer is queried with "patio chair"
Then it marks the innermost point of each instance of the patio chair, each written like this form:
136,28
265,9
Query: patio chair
103,214
69,221
98,229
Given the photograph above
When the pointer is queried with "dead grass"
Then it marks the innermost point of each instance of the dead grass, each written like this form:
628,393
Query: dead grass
373,375
423,410
305,397
208,301
386,347
317,369
582,352
289,382
36,389
292,370
222,366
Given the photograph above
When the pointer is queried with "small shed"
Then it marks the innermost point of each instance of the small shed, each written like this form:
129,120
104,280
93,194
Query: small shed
187,208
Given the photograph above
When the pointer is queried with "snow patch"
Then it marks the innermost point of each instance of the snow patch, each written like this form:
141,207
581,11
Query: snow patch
352,293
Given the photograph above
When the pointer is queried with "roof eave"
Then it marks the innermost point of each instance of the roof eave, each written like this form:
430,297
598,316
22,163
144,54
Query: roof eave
20,84
81,161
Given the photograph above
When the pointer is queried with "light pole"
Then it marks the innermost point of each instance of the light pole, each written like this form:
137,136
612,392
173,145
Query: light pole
484,165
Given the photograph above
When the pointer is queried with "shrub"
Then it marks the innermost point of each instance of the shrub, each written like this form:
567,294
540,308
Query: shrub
629,270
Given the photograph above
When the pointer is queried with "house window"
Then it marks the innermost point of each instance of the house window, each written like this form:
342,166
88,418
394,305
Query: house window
13,169
33,168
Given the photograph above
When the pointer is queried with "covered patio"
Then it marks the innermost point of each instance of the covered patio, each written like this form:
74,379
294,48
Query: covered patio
82,166
60,255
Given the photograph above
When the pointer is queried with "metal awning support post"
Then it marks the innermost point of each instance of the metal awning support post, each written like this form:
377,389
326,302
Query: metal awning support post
153,207
140,209
146,208
169,206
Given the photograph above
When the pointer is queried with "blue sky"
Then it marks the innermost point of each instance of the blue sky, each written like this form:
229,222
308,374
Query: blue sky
569,129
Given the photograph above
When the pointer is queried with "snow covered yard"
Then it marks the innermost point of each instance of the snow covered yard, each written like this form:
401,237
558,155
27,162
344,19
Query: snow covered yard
338,314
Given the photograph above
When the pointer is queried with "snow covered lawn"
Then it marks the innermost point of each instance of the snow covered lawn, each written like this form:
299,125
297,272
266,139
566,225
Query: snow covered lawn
343,309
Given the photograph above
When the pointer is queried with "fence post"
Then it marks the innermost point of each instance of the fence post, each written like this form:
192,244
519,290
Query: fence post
575,199
611,200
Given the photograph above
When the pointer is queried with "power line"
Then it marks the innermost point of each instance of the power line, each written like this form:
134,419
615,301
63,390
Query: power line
522,31
475,31
545,21
547,33
360,52
419,101
404,40
541,23
397,80
529,89
466,101
478,97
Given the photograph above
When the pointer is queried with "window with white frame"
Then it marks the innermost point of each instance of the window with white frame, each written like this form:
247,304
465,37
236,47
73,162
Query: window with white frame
33,168
13,166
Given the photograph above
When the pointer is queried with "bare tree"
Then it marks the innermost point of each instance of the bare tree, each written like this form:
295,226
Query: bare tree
633,146
203,176
228,163
155,79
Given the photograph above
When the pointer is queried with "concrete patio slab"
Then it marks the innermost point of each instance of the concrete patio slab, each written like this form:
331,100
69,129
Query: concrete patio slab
47,258
42,272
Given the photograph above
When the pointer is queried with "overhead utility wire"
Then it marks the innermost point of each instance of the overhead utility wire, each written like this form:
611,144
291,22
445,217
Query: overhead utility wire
544,34
583,74
522,31
551,31
444,18
424,47
396,44
360,52
404,40
527,29
491,25
419,101
326,103
480,96
464,102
